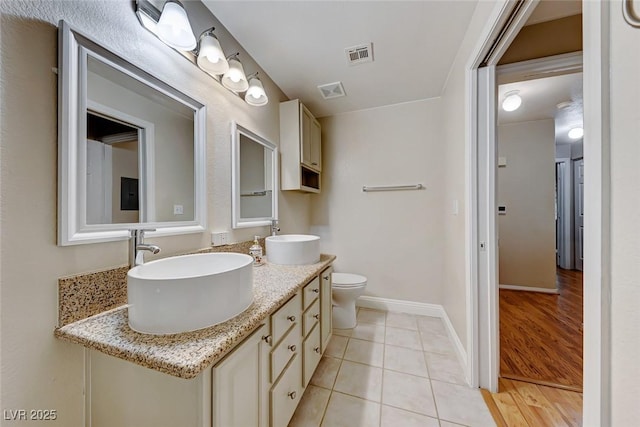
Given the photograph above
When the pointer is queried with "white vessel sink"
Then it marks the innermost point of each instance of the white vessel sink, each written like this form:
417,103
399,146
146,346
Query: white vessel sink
293,249
190,292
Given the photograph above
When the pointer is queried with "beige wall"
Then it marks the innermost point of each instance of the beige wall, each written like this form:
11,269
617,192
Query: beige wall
39,371
545,39
625,219
393,238
526,187
124,164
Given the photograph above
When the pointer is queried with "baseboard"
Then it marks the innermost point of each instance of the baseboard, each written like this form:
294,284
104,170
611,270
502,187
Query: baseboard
530,289
421,309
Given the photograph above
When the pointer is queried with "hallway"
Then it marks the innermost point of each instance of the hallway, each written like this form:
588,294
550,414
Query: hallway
541,334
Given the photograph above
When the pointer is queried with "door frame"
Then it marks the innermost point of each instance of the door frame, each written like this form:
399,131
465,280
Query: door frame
481,240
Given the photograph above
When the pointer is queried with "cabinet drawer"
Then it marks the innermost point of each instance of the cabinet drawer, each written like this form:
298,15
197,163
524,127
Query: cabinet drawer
286,393
285,350
310,318
312,354
285,318
311,292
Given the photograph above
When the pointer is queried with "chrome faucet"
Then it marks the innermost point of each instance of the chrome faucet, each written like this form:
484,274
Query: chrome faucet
274,227
137,246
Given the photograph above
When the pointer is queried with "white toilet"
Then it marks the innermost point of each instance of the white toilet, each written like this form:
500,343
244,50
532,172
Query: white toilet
346,288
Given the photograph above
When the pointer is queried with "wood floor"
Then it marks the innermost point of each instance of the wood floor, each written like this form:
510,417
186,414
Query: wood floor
521,404
541,334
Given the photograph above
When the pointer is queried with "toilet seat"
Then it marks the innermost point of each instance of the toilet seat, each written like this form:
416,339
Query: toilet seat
347,280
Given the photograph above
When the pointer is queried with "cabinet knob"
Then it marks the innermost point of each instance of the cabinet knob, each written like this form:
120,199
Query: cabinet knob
325,277
267,339
315,290
292,395
292,347
316,316
317,350
314,163
291,318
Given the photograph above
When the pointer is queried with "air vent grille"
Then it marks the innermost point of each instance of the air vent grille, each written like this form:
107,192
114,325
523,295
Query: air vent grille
332,90
359,54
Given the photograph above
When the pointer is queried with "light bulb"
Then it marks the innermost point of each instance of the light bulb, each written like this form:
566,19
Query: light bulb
255,94
210,55
576,133
174,28
512,101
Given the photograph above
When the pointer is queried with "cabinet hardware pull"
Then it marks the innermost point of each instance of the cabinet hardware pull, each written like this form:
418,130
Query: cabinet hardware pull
292,347
292,395
315,290
267,339
325,277
316,316
314,163
291,318
317,350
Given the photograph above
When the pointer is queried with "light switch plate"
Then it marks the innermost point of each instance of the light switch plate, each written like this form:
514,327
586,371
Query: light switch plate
502,162
178,210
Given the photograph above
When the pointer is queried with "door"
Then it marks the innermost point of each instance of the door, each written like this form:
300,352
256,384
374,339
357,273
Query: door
99,184
578,186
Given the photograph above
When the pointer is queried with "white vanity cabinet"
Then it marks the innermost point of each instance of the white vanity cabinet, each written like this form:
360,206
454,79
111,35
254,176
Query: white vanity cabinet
257,384
300,148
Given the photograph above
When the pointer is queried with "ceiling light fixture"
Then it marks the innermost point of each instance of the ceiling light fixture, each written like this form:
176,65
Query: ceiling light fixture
211,58
172,26
255,94
576,133
512,101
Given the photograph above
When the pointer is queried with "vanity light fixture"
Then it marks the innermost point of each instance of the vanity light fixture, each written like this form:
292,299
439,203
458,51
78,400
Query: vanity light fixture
211,58
174,28
512,101
235,79
255,94
576,133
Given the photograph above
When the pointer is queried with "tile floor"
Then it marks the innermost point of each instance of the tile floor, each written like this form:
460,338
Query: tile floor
391,370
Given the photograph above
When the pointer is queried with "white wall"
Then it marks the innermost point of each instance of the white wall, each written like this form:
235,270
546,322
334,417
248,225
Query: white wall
455,120
37,370
625,219
396,238
526,185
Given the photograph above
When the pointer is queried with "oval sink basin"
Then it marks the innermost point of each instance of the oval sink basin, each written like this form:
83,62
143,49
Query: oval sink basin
293,249
189,292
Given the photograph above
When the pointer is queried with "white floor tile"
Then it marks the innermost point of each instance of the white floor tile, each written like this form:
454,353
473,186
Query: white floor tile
403,338
367,352
445,367
448,424
369,332
431,324
349,411
405,360
461,404
311,407
408,392
326,372
366,315
394,417
359,380
337,346
402,320
343,332
437,343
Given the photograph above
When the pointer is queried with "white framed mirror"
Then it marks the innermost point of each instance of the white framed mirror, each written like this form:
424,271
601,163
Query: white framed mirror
131,148
254,182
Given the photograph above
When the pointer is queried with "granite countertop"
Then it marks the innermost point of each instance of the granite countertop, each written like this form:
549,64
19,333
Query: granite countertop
186,355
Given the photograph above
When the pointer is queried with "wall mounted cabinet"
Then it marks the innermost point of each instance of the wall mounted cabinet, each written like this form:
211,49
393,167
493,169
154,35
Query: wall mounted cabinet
300,147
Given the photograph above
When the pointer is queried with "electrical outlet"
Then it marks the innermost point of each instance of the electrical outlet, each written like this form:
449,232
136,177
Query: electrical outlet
220,238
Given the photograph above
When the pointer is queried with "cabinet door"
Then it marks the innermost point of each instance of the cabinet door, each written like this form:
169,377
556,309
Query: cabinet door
316,145
237,396
306,120
326,307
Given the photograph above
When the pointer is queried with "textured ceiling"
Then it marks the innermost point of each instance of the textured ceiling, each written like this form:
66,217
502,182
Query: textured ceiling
301,44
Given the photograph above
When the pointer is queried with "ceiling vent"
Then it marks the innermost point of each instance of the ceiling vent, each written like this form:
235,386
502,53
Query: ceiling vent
332,90
359,54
